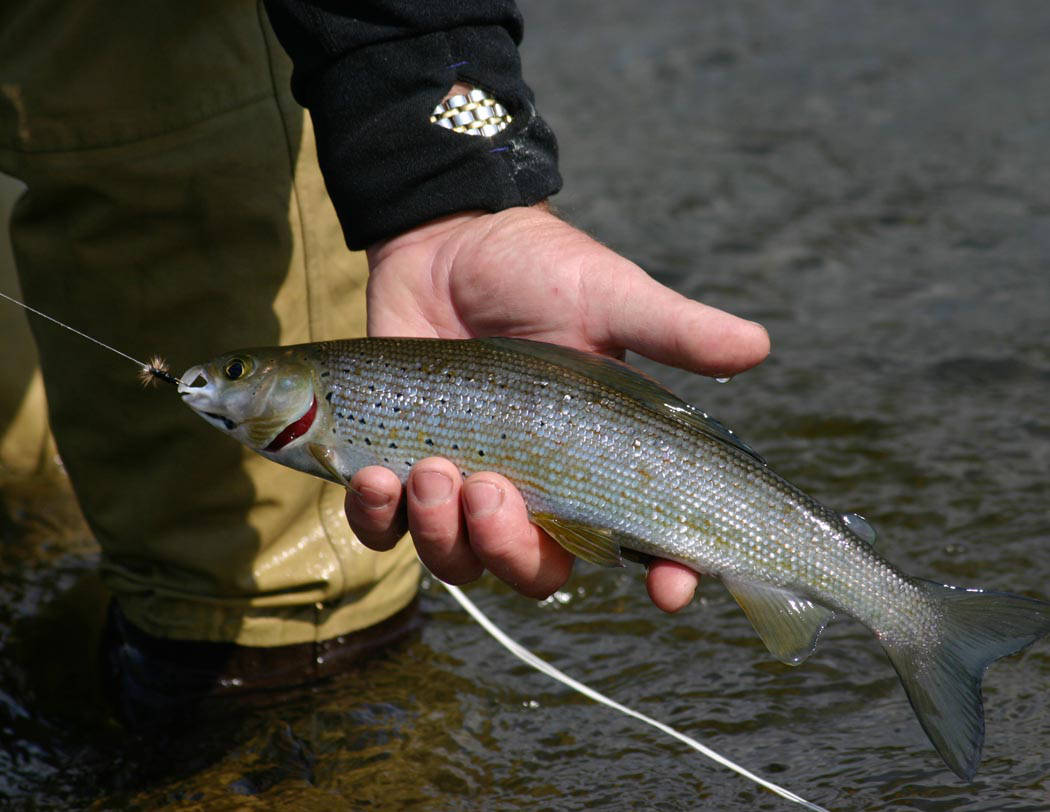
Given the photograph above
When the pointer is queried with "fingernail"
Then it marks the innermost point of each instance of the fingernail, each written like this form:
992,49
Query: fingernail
431,487
371,499
482,498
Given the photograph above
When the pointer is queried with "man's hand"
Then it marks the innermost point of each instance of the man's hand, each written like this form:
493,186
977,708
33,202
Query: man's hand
524,273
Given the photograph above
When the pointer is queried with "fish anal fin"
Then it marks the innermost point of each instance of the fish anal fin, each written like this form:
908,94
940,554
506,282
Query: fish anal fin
788,624
585,541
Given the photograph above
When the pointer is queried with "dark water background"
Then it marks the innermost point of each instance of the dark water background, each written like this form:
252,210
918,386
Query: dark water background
869,180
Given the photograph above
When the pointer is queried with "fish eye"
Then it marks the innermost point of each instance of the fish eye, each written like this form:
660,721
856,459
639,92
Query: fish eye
235,368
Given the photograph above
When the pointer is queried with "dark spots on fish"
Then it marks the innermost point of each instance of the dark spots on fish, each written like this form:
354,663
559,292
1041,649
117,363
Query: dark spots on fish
381,426
503,436
371,387
443,402
455,447
397,409
367,441
361,420
386,459
328,396
392,445
481,453
325,374
429,441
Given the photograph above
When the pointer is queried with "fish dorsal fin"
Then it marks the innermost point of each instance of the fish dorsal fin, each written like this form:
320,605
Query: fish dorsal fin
789,625
628,381
690,415
859,526
582,540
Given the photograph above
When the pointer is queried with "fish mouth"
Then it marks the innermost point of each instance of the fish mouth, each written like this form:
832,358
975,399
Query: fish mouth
193,380
195,388
219,420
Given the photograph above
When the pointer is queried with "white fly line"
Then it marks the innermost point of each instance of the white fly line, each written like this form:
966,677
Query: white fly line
527,656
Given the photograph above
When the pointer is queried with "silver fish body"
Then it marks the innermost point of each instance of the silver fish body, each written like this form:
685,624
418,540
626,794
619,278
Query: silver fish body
609,461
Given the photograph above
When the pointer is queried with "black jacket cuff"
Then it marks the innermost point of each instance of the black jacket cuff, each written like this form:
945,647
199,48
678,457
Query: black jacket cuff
371,90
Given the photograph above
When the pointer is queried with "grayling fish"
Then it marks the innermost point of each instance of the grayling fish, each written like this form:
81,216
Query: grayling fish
610,462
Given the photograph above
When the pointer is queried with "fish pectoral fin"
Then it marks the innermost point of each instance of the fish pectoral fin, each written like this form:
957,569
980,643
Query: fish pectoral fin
582,540
329,461
788,624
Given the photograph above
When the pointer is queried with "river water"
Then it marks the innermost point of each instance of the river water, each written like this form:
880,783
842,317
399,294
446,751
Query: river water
871,182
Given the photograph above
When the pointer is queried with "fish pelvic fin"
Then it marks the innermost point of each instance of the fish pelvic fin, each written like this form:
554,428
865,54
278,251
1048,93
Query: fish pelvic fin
943,681
788,624
593,544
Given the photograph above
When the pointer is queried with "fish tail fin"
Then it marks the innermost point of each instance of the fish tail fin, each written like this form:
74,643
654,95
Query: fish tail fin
943,680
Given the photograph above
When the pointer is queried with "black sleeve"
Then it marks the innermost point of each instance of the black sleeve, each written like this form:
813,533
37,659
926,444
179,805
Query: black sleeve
371,73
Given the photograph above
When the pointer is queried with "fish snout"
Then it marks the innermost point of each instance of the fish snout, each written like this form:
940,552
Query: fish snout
198,391
195,381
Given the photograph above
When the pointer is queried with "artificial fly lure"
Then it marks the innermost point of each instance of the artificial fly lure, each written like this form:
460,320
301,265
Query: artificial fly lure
157,370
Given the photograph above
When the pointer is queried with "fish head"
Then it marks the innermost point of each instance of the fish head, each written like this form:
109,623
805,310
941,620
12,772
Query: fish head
265,398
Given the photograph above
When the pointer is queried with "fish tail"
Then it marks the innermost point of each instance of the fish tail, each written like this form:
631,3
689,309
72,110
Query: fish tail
943,680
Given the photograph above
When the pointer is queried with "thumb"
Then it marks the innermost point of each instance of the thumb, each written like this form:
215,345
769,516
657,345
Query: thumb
655,321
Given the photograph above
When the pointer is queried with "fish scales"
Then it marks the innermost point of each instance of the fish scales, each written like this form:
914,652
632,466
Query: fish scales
608,460
581,449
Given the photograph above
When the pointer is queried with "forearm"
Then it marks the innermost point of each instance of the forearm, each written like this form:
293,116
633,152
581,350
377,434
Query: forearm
372,75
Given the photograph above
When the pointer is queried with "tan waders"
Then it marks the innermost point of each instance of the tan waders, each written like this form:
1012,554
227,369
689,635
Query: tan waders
174,206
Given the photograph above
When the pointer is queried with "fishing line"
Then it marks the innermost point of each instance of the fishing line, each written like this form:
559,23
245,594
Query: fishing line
155,369
524,654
